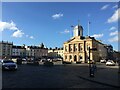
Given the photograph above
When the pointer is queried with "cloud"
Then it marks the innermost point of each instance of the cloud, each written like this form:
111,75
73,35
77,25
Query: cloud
65,31
97,35
114,39
112,28
8,26
18,33
31,37
105,7
116,6
11,26
114,17
114,33
56,16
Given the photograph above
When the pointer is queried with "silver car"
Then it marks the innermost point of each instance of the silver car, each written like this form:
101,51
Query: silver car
110,63
103,61
9,65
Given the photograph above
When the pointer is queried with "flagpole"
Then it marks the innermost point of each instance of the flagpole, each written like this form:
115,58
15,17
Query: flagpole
72,30
88,28
70,33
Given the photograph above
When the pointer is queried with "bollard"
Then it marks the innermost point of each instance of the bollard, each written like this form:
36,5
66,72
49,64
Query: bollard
92,72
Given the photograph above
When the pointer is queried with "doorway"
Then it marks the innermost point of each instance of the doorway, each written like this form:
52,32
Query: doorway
75,58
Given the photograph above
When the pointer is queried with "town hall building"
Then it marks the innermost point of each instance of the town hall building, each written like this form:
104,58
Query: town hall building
77,48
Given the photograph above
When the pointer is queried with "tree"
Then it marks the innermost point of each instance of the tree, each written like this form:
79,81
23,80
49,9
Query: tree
42,45
56,48
50,48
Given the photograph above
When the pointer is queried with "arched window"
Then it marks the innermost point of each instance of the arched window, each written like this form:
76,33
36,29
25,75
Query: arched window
75,58
74,47
80,58
65,56
70,47
79,47
66,48
70,56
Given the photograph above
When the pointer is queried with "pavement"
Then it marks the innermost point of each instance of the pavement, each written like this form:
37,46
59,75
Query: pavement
106,76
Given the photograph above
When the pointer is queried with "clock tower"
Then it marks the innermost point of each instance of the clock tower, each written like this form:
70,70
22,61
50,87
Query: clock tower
78,30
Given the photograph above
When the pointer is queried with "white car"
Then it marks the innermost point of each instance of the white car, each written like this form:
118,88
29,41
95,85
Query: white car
24,61
110,63
103,61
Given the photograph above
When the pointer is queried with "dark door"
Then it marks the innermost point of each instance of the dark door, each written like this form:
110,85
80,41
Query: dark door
75,58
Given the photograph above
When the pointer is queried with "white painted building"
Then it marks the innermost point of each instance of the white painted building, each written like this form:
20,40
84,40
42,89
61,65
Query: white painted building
36,52
18,52
55,53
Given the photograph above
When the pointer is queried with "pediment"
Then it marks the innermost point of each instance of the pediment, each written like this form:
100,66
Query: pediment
75,39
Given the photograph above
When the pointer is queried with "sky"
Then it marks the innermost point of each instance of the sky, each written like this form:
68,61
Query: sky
32,23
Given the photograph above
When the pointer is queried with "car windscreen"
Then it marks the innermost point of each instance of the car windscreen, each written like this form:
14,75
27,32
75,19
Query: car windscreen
8,62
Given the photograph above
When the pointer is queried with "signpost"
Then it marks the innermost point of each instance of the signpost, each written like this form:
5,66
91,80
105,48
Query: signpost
91,69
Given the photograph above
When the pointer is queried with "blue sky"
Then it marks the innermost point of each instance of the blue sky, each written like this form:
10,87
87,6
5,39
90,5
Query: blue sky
32,23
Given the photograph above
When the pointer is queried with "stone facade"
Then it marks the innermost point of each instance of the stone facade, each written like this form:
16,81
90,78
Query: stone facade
55,53
6,50
9,51
77,48
36,52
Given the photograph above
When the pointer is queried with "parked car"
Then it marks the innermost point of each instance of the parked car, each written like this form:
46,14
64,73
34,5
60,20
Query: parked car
110,63
43,60
90,62
50,60
24,61
9,65
103,61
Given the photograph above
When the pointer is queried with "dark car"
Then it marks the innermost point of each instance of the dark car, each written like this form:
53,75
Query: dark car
9,65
